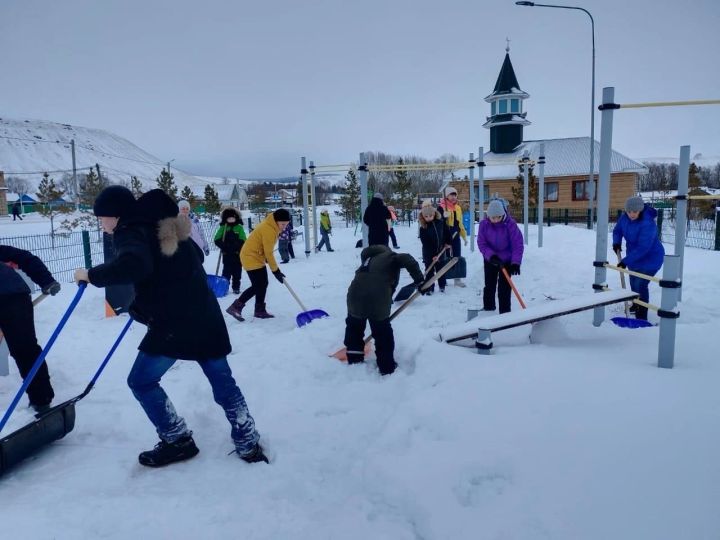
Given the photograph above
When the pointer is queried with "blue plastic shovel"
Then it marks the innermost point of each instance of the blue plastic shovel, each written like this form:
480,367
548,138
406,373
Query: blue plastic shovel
307,316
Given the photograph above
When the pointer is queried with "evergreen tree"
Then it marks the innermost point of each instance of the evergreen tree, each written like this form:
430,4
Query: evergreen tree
402,195
136,186
518,192
212,202
90,188
189,196
350,201
166,182
49,197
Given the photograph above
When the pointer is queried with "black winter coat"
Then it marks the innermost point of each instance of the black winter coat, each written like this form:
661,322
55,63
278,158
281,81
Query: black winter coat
376,216
433,237
370,293
10,280
154,252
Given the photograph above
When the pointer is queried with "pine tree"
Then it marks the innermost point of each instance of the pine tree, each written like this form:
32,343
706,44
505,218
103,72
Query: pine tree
189,196
49,197
166,182
90,188
402,195
350,201
518,193
136,186
212,202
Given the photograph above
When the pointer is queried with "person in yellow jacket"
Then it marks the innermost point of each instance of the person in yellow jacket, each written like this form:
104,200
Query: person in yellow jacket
325,232
255,253
452,212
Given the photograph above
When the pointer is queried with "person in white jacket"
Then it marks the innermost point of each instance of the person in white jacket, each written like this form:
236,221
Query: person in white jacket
196,232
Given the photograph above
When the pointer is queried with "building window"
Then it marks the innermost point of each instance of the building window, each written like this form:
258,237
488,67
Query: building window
551,192
493,108
503,106
515,105
580,190
486,192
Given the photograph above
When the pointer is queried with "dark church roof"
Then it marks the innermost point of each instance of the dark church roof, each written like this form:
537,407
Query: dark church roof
506,80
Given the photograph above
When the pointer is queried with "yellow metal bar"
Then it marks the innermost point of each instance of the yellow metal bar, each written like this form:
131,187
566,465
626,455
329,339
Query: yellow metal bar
670,103
701,197
339,166
632,273
645,304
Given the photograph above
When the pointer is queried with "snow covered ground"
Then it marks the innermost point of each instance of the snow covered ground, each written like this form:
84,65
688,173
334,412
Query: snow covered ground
575,435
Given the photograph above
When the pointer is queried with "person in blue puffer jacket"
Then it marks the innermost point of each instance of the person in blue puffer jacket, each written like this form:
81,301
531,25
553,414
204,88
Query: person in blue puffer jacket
644,252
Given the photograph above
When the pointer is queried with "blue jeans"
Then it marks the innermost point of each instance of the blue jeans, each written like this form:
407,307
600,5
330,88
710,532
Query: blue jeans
144,381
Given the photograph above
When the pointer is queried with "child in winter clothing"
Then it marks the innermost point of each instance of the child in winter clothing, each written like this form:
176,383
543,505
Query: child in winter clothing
501,244
255,253
325,231
230,238
182,315
285,243
196,232
377,219
391,226
644,251
17,323
452,213
369,298
434,236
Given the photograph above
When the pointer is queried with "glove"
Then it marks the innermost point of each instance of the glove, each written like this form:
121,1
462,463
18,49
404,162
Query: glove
514,269
621,264
495,261
279,275
51,289
420,287
617,248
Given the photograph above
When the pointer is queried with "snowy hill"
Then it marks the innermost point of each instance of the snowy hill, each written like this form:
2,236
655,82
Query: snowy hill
28,146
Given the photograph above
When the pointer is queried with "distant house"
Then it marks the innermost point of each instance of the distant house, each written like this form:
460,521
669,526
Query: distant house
4,210
567,160
228,194
27,201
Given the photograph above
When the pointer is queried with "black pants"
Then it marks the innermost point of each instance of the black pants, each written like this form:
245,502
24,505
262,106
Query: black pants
494,279
258,287
382,333
441,281
232,269
391,234
290,249
17,323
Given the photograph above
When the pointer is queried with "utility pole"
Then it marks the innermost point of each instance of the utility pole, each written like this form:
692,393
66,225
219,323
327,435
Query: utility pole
97,166
75,180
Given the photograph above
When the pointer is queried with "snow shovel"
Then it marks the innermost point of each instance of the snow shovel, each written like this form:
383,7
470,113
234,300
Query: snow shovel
307,316
341,354
512,286
47,427
627,321
218,284
51,425
405,292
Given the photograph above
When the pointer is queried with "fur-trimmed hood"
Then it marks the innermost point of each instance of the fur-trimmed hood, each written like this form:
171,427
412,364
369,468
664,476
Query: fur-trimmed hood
156,207
171,231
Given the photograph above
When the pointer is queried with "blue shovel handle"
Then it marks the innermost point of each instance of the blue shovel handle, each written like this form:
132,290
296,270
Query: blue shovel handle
43,354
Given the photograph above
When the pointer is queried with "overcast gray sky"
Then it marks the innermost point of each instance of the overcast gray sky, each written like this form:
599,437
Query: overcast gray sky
246,88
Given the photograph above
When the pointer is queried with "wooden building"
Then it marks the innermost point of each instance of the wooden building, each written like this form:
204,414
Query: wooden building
567,160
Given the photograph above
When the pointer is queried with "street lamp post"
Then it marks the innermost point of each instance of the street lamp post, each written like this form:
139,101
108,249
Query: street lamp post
591,176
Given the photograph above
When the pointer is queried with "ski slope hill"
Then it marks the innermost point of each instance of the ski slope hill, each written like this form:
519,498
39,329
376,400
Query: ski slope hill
28,146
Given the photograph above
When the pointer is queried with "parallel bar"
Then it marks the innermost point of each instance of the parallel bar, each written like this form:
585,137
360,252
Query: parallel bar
670,103
632,273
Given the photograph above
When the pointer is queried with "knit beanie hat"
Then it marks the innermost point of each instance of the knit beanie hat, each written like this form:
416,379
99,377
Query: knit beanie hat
495,209
634,204
450,191
378,195
281,214
114,201
183,204
428,210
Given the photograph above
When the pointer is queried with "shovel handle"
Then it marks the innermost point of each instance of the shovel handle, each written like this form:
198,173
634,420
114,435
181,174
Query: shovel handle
622,283
512,285
39,299
295,296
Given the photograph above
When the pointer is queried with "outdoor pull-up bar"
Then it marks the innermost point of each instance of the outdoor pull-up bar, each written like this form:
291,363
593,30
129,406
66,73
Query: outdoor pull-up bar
665,104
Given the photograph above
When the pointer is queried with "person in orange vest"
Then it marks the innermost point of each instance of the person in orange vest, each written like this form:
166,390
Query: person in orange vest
452,213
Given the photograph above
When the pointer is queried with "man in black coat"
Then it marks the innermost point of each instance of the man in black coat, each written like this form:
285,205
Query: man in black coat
16,210
154,252
17,321
377,218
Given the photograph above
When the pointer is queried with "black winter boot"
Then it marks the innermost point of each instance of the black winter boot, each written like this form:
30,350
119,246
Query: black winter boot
235,310
261,312
166,453
256,455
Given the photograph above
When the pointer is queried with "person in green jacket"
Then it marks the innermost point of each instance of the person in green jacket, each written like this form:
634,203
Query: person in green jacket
325,231
369,299
230,238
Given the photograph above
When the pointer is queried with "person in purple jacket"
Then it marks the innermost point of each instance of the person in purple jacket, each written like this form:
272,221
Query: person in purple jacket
644,251
501,244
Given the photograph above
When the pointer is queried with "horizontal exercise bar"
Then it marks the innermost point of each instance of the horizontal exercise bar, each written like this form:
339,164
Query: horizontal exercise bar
669,103
632,273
